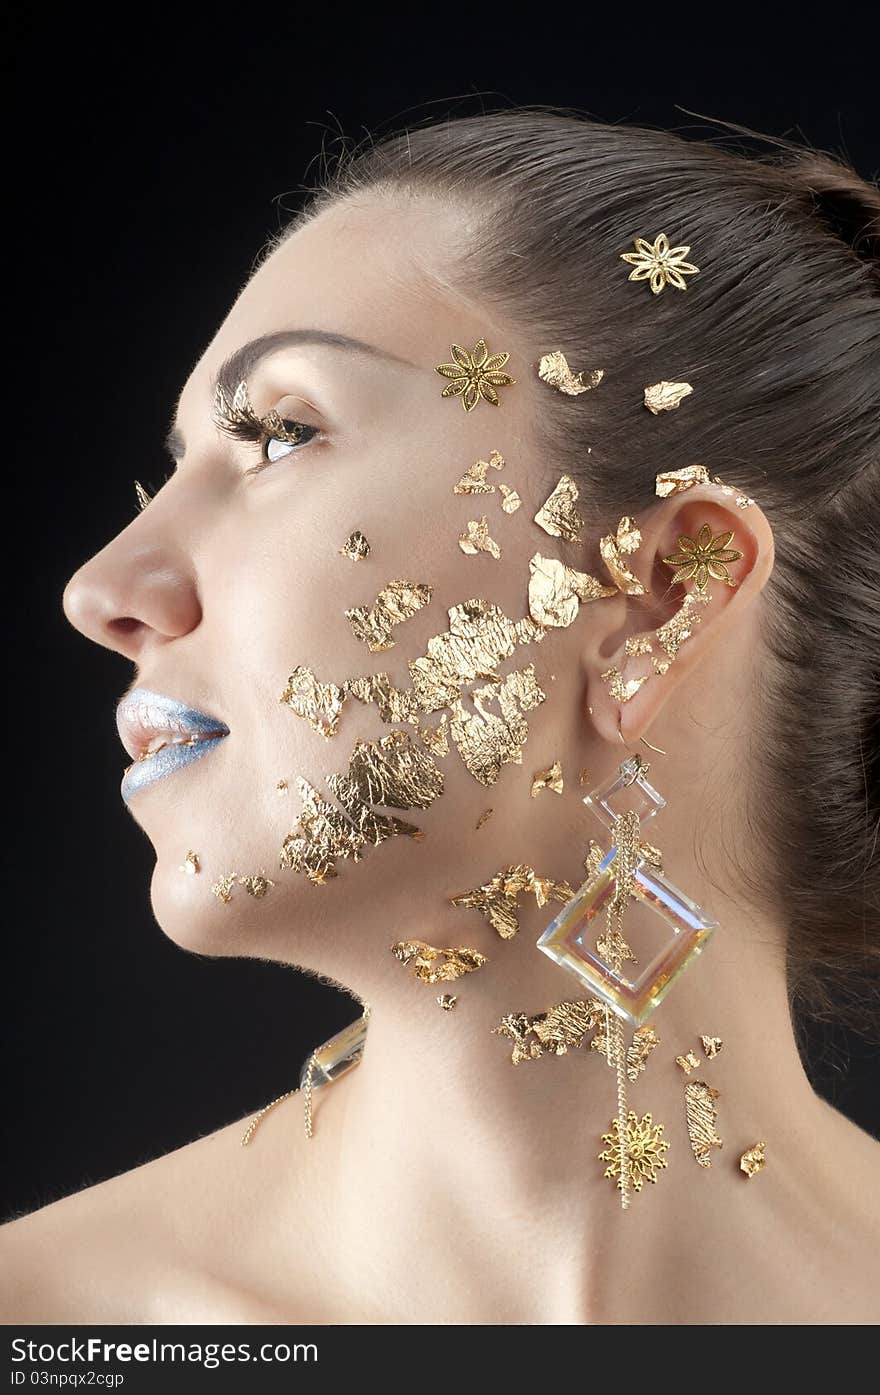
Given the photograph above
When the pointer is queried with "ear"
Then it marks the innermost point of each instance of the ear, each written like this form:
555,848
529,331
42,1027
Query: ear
625,635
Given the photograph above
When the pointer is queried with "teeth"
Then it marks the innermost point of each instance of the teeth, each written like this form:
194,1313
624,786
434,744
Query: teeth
159,742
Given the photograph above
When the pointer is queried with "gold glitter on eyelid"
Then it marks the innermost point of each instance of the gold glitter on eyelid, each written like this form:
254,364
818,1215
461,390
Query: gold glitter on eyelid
483,819
485,740
558,514
433,965
549,779
753,1159
675,481
553,369
191,864
474,480
318,703
701,1114
556,591
511,501
477,539
236,417
688,1062
711,1046
665,397
613,547
398,601
497,899
356,547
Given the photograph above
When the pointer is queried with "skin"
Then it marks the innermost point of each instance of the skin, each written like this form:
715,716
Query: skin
442,1184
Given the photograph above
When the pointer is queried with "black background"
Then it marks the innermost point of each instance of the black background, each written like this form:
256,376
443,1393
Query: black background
144,169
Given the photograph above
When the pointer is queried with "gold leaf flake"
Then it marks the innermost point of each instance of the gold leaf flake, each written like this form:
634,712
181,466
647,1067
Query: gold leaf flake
742,500
711,1046
257,886
679,627
355,547
480,635
484,818
594,855
395,704
222,887
613,547
556,591
282,787
143,498
584,776
447,1001
433,965
511,501
517,1026
613,947
558,514
674,481
550,779
638,644
622,689
688,1063
553,369
191,864
644,1041
564,1026
474,480
642,1145
436,739
392,772
477,539
322,835
319,703
665,397
398,601
497,900
701,1113
753,1159
486,740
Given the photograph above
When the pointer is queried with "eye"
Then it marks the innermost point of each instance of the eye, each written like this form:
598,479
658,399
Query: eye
275,447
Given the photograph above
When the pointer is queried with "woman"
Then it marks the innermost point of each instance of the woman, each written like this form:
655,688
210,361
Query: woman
649,537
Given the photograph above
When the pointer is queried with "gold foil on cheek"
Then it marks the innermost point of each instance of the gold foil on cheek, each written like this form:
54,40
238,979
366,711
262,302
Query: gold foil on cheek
497,899
556,591
511,501
222,887
553,369
318,703
753,1159
614,547
701,1113
550,779
322,835
477,539
665,397
474,481
399,601
558,515
480,635
191,864
395,704
433,965
257,886
674,481
486,740
356,547
711,1046
688,1063
391,772
436,739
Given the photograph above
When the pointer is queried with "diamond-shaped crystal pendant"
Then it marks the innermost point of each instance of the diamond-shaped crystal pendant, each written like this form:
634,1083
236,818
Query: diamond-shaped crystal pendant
634,990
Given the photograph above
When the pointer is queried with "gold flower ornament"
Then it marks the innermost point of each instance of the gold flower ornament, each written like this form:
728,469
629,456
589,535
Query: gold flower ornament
659,264
474,375
702,557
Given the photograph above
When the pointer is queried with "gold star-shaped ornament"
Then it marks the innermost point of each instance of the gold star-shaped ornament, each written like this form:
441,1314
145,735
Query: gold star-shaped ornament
474,375
659,263
643,1146
702,557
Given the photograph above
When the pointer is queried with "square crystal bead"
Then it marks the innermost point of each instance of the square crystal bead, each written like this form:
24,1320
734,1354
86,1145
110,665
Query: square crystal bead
625,792
570,940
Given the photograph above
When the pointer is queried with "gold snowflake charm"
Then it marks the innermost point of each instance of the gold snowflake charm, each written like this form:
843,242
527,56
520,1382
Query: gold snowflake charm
474,375
702,557
644,1150
664,265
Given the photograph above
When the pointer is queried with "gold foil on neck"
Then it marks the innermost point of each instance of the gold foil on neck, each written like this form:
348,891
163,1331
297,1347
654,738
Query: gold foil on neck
399,601
318,703
674,481
486,740
433,965
257,886
644,1041
355,547
447,1001
549,779
282,787
753,1159
436,739
477,539
561,1029
711,1046
688,1062
558,515
665,397
497,900
191,864
701,1113
553,369
556,591
614,547
474,480
483,819
511,500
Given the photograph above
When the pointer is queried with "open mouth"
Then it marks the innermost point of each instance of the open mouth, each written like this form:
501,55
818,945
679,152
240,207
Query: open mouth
161,735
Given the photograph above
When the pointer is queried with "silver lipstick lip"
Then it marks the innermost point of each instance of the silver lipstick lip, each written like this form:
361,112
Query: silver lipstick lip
143,714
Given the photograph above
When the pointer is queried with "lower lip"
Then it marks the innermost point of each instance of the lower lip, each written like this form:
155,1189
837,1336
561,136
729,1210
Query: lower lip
165,762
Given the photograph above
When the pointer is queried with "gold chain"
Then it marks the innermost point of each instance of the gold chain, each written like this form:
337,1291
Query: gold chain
626,839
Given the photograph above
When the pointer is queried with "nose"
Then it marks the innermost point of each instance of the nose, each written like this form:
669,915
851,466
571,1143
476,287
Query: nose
137,590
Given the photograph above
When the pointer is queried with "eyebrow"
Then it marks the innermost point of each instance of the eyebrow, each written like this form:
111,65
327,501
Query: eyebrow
242,362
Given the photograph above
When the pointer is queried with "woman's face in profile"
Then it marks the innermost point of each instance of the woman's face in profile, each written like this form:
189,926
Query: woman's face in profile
232,579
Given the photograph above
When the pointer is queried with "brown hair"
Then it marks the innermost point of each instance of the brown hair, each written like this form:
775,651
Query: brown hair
780,337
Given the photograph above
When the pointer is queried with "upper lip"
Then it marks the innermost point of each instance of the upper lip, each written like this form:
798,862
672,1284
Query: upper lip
143,714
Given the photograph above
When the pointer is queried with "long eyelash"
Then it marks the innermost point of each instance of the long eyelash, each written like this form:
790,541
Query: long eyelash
239,420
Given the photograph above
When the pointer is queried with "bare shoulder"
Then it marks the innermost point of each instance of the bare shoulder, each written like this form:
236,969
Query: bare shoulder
164,1242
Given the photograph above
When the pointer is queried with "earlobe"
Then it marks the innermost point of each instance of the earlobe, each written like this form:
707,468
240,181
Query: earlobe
703,562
